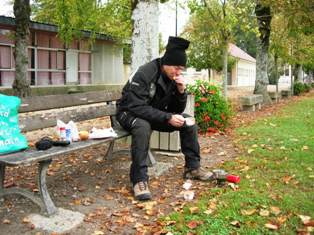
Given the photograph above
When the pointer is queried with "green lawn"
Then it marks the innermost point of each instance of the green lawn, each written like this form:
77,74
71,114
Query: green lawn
277,181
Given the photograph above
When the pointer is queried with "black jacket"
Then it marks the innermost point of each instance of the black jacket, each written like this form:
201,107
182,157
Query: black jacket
151,95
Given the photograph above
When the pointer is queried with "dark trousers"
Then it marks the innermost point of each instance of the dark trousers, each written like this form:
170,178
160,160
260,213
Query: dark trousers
141,131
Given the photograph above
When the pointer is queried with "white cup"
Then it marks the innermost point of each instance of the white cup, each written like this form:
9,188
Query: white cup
189,121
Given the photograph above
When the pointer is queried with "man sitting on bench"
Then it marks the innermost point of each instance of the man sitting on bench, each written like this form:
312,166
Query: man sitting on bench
154,99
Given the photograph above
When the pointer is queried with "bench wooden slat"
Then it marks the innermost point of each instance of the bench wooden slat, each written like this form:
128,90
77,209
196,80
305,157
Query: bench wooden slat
49,119
37,103
32,155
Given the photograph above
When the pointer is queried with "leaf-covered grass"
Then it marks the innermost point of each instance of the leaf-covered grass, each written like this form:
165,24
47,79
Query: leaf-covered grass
277,180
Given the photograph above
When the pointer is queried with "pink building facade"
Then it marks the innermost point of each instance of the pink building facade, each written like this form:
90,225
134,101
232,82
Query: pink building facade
50,63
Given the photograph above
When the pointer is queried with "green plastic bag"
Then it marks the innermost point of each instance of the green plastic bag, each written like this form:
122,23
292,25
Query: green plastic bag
11,139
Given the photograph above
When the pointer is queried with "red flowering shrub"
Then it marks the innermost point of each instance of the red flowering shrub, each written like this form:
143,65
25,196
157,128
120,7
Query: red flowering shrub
212,111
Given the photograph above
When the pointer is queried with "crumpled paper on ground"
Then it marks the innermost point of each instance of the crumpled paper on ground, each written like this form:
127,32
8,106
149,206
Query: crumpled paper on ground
102,133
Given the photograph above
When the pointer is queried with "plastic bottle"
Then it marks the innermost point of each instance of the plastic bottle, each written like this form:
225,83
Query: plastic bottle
62,133
68,136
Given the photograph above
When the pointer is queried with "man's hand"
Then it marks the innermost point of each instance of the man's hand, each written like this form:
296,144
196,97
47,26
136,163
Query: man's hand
176,120
180,81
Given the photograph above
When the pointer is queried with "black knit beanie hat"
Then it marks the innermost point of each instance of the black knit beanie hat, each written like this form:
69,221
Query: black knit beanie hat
175,52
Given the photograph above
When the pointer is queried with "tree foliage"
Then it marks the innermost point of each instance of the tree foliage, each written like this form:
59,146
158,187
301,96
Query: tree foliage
292,36
72,16
211,29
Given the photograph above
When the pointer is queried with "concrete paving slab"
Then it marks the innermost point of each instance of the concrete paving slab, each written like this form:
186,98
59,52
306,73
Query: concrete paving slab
63,221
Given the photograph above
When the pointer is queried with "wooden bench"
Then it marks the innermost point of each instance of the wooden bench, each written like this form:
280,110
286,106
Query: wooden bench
91,105
251,102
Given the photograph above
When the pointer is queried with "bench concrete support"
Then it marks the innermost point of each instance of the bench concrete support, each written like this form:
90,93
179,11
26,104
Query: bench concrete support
44,201
286,93
251,102
150,159
45,197
274,96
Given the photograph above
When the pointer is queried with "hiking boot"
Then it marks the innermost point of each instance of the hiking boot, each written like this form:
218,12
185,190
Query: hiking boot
198,174
141,191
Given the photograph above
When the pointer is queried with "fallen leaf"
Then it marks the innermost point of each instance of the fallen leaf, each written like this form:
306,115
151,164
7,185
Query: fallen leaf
6,221
192,224
264,213
246,168
155,184
206,150
235,223
147,205
212,204
281,219
170,222
77,202
305,148
97,232
249,151
26,220
275,210
309,223
194,210
108,197
304,218
286,179
271,226
303,231
150,212
208,211
248,211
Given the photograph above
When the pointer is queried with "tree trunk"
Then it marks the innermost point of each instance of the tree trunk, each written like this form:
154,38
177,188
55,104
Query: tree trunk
300,73
22,10
209,74
264,19
145,46
225,70
276,71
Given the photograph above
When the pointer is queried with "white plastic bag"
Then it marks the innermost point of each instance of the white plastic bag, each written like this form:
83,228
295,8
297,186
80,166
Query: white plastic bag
67,131
74,131
102,133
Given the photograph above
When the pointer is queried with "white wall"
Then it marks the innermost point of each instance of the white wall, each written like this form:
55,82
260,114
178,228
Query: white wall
246,73
107,64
